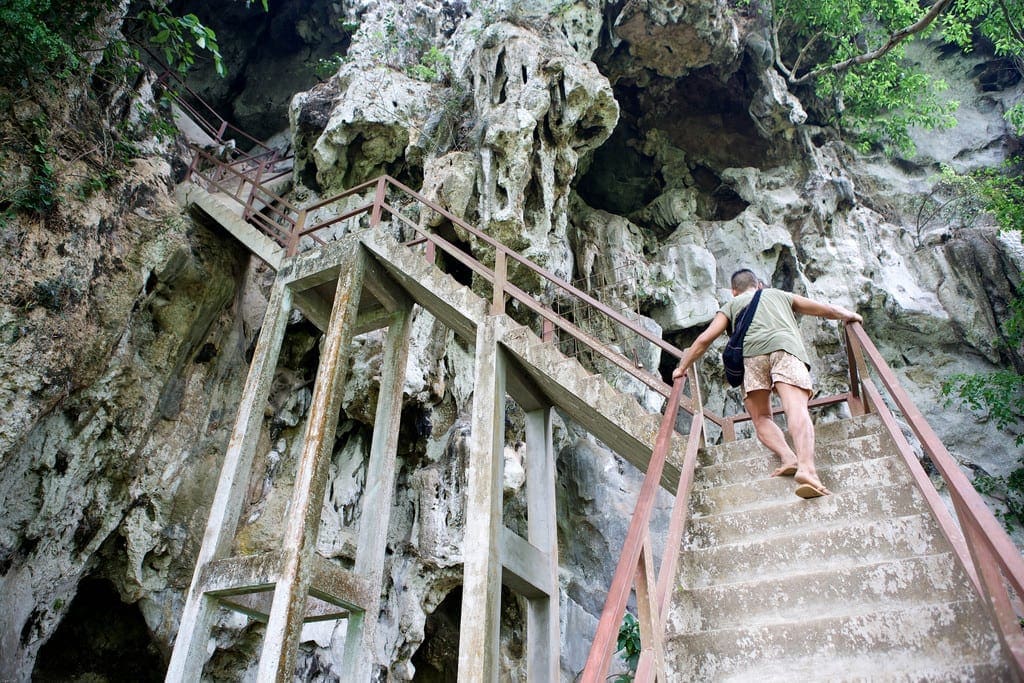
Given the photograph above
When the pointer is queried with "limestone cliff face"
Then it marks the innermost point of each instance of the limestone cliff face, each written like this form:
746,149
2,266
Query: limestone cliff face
598,138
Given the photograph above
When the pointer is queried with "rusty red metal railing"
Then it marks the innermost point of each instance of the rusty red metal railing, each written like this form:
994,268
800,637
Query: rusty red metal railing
636,562
989,556
987,553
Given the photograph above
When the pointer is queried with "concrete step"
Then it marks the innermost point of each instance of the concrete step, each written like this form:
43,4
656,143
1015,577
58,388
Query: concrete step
804,550
847,591
856,505
938,636
770,491
761,466
914,667
829,432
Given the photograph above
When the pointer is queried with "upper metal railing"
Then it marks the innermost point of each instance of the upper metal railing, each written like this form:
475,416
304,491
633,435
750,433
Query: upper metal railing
982,546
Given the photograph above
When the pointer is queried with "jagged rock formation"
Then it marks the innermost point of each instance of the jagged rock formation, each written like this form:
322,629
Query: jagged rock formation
599,138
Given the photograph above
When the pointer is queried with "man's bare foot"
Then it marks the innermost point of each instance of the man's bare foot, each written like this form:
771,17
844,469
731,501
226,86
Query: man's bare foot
811,485
785,471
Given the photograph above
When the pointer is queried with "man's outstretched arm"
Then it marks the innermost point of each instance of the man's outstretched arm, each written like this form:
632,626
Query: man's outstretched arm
805,306
717,326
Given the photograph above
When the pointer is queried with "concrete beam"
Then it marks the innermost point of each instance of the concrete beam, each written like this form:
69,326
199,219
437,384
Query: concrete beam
361,646
479,625
284,626
543,637
189,652
224,213
524,567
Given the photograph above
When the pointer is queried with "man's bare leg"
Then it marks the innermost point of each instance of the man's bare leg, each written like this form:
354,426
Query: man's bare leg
759,406
798,421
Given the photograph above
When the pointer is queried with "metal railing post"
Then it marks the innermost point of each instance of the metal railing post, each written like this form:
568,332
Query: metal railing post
378,202
296,233
500,275
547,331
854,359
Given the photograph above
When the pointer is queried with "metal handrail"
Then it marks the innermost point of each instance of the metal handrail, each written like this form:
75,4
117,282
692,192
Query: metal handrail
216,130
988,554
636,561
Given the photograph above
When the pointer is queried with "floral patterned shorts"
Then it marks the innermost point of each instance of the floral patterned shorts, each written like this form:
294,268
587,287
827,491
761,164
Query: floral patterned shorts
762,372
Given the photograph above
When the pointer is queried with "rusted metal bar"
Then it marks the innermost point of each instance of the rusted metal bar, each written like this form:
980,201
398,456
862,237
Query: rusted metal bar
347,193
777,410
946,523
651,631
996,598
217,163
855,400
608,626
647,666
378,202
292,247
500,275
547,275
729,429
547,330
1003,548
316,227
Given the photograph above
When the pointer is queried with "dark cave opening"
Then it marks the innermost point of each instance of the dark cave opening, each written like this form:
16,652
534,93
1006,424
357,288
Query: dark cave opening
100,639
437,658
621,179
708,123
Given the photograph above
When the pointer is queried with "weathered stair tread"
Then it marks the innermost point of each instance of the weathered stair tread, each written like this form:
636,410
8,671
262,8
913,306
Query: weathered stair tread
826,433
945,634
860,505
846,591
762,465
770,491
812,550
910,666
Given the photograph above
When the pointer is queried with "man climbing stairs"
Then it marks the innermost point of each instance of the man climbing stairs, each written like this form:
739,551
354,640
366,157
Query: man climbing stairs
859,585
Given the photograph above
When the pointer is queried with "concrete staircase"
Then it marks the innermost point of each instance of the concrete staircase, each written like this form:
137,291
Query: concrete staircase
860,585
612,416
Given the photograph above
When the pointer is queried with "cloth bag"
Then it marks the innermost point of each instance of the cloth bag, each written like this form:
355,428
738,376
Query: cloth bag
732,356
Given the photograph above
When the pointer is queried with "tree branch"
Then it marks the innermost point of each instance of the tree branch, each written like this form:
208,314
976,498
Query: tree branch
779,64
803,51
895,39
1014,29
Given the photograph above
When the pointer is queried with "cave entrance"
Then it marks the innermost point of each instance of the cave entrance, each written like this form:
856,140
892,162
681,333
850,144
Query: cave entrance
100,639
437,659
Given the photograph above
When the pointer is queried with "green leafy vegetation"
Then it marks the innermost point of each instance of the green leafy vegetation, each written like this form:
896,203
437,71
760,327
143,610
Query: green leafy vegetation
55,47
853,55
179,37
434,65
628,643
998,396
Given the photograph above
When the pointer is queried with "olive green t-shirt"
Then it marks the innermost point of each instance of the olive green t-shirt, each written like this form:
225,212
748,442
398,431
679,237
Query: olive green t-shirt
774,325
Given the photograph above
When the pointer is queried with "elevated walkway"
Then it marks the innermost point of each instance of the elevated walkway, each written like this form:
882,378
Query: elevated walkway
875,582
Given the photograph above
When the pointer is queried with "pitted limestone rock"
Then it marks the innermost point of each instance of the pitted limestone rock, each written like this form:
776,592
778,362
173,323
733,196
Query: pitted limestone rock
541,108
674,38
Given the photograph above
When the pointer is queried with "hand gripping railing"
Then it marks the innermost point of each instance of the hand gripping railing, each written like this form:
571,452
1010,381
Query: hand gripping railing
636,563
989,556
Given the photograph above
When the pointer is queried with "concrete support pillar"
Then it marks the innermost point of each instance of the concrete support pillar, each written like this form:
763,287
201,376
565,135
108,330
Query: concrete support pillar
482,567
284,625
542,624
361,647
190,645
